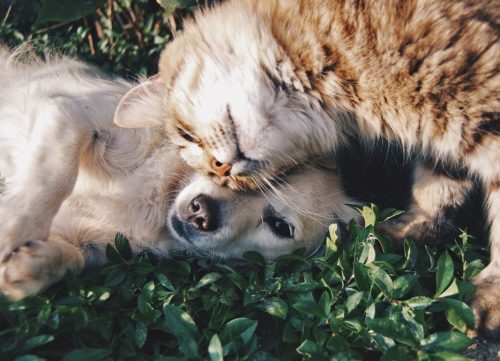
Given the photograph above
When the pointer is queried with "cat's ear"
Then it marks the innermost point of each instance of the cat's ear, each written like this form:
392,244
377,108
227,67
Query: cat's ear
142,106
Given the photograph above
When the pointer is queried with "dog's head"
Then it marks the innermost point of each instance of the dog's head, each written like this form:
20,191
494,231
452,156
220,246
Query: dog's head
295,213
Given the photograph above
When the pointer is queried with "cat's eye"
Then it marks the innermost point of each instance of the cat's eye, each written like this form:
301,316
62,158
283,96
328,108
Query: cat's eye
279,226
185,135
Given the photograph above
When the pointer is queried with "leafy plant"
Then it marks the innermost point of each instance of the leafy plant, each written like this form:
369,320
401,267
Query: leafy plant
356,300
122,36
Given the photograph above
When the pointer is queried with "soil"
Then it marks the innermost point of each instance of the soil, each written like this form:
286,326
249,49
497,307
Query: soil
483,350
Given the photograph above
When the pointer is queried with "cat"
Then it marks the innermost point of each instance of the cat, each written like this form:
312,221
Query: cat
73,180
253,87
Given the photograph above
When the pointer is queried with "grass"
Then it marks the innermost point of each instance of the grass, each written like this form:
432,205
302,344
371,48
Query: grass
356,299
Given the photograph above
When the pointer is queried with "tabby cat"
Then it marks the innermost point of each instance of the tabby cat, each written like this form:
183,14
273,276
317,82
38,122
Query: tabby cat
252,87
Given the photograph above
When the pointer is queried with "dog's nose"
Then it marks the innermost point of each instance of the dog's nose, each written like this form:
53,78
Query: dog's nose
202,213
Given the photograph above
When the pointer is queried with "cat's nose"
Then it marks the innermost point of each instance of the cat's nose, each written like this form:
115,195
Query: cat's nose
202,213
221,169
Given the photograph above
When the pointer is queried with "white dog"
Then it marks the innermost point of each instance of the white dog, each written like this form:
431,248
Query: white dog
72,180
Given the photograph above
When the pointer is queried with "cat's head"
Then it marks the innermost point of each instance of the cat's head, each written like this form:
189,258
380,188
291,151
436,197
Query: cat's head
233,104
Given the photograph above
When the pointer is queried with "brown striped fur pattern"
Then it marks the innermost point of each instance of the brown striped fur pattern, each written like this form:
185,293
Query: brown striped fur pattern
256,86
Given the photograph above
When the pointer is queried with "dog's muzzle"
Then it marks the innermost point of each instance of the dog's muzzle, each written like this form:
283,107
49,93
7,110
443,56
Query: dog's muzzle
199,217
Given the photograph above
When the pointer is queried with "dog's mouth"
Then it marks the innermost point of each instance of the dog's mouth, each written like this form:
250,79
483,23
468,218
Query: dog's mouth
178,229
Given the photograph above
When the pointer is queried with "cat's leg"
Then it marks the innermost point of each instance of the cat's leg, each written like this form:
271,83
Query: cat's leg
435,199
486,304
46,173
36,265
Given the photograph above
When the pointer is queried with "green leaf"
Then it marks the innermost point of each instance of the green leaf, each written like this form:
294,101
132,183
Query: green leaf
411,255
182,326
403,284
368,254
368,215
393,328
398,353
123,246
361,276
309,348
171,6
215,350
462,310
446,341
66,10
448,356
309,308
370,311
289,334
332,231
353,301
141,334
473,268
325,301
432,258
165,282
85,354
416,328
455,320
208,279
382,280
444,273
354,325
275,307
254,257
389,213
419,303
452,290
331,241
112,254
143,304
29,358
238,329
37,341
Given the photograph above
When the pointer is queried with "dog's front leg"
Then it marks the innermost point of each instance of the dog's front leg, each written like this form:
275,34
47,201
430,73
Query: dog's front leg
45,174
36,265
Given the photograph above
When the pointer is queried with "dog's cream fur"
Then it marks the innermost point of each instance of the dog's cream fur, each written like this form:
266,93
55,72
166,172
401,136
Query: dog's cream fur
72,180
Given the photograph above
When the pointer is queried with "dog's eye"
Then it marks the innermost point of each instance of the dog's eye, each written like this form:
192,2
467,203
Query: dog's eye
185,135
280,227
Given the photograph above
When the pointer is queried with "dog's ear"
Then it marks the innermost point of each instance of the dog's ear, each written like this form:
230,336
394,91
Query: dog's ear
142,106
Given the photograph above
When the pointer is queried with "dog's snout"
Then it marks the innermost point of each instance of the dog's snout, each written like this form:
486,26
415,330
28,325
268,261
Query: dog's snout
202,213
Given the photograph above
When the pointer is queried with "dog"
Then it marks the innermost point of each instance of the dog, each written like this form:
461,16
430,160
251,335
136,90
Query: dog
72,180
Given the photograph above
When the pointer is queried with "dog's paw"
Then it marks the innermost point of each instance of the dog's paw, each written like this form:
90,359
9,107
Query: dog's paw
13,235
486,305
30,268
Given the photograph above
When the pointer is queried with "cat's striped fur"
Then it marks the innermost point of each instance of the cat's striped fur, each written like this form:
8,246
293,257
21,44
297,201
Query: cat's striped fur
255,86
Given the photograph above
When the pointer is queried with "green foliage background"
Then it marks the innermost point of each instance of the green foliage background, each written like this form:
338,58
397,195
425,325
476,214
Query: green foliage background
124,36
356,299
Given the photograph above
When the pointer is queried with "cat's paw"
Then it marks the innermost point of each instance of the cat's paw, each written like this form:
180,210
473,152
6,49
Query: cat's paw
486,304
418,226
407,225
30,268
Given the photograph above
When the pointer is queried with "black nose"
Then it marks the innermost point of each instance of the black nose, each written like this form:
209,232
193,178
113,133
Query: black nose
202,213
